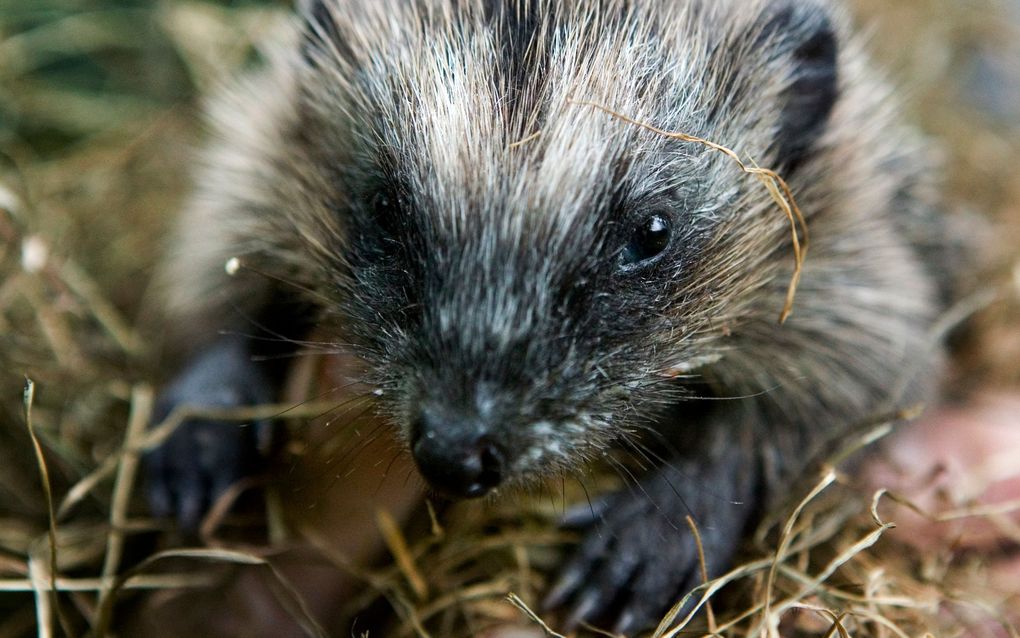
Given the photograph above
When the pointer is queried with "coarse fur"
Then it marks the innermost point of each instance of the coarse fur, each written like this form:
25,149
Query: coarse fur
421,178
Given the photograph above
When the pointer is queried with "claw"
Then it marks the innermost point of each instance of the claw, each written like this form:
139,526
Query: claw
588,604
157,488
190,506
160,500
585,514
626,623
636,616
564,588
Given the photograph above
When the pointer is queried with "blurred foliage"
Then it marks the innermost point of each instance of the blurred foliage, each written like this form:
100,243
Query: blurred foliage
95,121
956,65
72,69
96,118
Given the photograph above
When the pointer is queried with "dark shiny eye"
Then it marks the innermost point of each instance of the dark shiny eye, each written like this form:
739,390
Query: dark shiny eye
650,239
388,213
384,204
384,223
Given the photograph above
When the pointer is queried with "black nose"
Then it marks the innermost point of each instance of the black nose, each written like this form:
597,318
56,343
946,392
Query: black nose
455,456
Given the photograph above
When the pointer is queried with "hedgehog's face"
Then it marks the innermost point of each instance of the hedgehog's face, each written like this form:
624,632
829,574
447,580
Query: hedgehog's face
513,344
524,298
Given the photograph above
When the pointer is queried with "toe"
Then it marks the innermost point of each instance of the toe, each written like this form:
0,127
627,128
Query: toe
586,514
569,581
157,486
654,595
589,603
576,572
192,501
602,592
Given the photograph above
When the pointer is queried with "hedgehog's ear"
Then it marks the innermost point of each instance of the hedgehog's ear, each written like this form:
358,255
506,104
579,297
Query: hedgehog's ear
803,35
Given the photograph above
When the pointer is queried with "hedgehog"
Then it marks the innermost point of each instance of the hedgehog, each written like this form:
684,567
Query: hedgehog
533,283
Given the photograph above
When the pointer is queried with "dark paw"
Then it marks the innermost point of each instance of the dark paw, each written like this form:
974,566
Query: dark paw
203,458
639,557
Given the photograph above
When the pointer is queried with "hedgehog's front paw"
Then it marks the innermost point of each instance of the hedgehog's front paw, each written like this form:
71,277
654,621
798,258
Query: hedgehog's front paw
639,557
203,457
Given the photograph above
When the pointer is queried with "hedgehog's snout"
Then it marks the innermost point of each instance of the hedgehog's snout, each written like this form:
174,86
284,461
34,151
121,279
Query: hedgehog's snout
456,454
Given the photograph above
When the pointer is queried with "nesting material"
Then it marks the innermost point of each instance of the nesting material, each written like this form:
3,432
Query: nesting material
87,179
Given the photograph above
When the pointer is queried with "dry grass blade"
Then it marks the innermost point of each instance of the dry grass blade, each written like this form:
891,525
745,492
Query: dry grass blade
837,622
168,581
80,490
43,585
92,147
457,596
104,312
881,621
706,592
983,511
600,632
44,474
703,564
182,413
294,603
777,187
787,537
141,409
398,547
516,601
769,624
164,429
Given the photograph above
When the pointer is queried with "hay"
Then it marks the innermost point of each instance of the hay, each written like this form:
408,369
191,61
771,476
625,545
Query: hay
95,119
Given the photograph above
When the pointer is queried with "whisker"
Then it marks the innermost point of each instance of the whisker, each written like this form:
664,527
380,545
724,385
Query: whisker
315,293
358,444
563,496
591,507
658,507
319,396
339,475
396,455
335,443
261,326
739,397
334,419
628,479
679,469
644,468
386,473
296,354
340,405
329,347
410,474
356,456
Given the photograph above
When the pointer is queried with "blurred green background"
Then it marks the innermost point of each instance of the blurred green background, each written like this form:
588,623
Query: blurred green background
72,69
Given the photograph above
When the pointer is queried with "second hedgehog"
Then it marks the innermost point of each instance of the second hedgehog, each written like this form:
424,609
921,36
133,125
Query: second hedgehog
533,283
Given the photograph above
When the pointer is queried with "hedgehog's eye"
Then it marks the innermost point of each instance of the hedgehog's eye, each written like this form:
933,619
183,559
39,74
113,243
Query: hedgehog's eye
383,205
388,212
649,240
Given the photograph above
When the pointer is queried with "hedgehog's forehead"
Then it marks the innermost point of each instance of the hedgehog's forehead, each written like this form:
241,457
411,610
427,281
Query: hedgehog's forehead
477,123
470,142
468,161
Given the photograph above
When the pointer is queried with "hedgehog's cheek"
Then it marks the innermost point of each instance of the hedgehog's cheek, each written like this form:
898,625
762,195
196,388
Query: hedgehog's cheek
457,457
